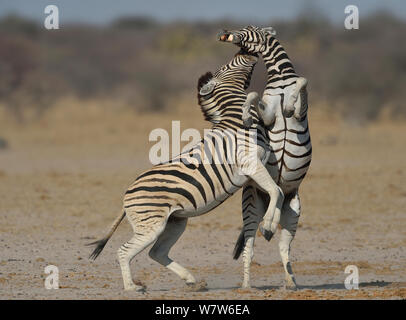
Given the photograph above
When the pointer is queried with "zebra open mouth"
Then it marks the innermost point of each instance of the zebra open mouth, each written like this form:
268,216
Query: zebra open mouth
227,36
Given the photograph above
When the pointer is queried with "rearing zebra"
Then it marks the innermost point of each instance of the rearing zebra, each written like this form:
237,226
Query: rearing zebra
285,96
161,199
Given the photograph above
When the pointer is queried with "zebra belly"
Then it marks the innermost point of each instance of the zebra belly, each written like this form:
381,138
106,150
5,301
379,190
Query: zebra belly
221,196
291,179
291,157
188,213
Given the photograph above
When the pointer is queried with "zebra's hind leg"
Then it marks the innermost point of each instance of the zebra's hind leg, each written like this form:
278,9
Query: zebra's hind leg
143,237
247,256
160,250
289,220
253,205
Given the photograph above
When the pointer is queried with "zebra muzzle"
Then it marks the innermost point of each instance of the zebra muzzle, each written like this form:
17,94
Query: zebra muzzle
226,36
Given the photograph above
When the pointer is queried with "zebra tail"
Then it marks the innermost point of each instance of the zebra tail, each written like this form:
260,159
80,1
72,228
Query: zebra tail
101,243
239,246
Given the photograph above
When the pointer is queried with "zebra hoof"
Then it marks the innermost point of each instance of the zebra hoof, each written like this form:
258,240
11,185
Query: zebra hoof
248,123
196,286
266,233
290,283
291,287
288,113
135,288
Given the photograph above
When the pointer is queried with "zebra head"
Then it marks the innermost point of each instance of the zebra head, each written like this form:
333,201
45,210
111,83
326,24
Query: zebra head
252,39
232,78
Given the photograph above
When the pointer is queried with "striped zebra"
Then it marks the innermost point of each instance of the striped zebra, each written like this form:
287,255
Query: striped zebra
284,111
161,199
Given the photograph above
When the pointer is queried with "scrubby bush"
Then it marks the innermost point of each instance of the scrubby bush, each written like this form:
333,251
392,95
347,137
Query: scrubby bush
144,63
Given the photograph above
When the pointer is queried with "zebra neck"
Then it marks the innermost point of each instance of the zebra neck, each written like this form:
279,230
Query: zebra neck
228,110
229,117
211,111
281,72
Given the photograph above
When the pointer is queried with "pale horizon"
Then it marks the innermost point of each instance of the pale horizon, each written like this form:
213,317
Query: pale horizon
106,11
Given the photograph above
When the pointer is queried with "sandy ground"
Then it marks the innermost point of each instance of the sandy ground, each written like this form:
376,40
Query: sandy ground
61,184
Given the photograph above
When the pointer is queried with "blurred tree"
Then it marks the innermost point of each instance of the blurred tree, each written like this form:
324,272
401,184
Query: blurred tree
138,23
146,64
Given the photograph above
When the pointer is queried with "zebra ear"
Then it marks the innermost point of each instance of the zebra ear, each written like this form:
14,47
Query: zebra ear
207,88
203,80
270,31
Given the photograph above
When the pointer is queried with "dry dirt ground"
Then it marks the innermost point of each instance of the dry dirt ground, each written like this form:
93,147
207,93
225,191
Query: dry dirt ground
61,184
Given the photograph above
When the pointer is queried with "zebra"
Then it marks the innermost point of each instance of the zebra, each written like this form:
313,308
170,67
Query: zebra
285,96
160,201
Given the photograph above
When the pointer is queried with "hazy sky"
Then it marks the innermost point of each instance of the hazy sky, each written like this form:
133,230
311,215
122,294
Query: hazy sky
104,11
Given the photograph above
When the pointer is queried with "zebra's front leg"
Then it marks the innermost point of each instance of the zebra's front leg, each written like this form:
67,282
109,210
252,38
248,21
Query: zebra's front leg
291,107
267,110
252,99
271,222
271,219
289,221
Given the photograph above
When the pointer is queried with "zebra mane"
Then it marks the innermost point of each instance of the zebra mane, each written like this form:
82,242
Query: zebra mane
204,79
203,94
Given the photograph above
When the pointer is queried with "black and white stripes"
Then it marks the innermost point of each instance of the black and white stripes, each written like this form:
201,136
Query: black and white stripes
289,138
160,200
